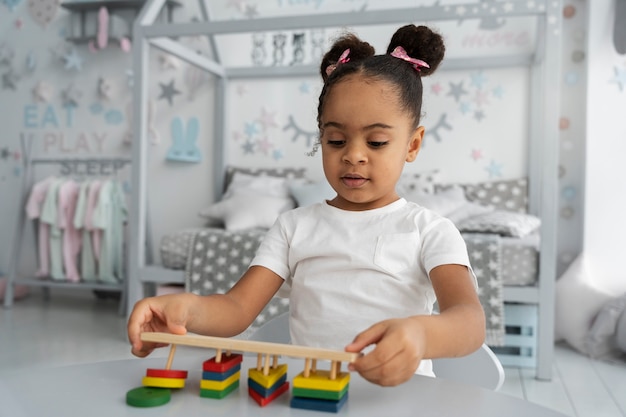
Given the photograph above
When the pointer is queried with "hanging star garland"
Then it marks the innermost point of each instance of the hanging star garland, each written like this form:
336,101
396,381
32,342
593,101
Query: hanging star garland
168,91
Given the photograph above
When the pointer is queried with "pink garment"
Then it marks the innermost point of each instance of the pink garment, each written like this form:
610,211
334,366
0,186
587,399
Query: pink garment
33,211
92,203
68,196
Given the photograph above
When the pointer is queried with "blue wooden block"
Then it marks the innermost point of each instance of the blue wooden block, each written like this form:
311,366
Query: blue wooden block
266,392
220,376
316,404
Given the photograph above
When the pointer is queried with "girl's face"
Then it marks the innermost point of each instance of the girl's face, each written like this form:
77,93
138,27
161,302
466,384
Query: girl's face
366,139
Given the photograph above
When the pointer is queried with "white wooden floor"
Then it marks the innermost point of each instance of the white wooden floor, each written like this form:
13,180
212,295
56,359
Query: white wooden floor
77,327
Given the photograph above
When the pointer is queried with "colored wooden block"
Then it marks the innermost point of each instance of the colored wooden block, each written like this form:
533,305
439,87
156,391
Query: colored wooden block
317,404
219,385
227,362
263,391
153,381
270,379
220,376
321,394
263,401
148,396
219,394
166,373
320,380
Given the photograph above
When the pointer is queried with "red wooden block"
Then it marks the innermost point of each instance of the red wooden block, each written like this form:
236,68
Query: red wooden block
224,365
166,373
263,401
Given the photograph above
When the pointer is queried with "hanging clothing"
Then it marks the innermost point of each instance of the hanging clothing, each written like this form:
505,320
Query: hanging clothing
68,197
50,215
33,208
109,216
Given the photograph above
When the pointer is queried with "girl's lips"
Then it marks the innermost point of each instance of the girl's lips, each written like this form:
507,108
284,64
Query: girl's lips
353,181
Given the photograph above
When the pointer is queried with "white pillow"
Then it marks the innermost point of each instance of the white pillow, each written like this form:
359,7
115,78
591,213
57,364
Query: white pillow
311,193
242,183
245,211
443,203
467,211
578,302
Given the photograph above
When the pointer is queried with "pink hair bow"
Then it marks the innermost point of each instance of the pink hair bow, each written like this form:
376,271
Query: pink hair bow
400,53
342,60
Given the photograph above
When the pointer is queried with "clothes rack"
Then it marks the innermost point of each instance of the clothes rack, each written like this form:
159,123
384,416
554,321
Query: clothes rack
75,168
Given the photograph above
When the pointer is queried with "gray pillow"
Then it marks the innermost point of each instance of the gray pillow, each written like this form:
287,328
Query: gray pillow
509,195
270,172
504,223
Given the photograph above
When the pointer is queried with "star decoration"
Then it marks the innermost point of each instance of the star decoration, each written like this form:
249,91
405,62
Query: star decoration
267,120
18,23
479,115
10,79
241,90
478,79
305,88
498,92
251,129
264,145
5,153
481,98
168,91
42,92
620,78
435,88
477,154
71,96
248,147
6,54
494,169
277,154
105,88
73,61
457,90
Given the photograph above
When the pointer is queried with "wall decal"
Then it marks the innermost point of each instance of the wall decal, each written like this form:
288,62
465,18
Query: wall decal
168,62
168,91
279,41
457,90
11,4
70,96
10,79
6,54
298,48
494,169
299,132
184,147
43,11
42,92
258,48
619,78
105,88
442,123
73,61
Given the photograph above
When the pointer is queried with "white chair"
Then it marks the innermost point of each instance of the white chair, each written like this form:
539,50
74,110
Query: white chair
481,368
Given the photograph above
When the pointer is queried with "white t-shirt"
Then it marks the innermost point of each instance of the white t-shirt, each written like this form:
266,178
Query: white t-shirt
346,270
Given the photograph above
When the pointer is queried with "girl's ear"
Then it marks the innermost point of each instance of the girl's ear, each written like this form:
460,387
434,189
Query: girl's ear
415,143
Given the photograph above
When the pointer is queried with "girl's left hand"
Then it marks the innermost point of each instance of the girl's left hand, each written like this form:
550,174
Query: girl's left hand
400,346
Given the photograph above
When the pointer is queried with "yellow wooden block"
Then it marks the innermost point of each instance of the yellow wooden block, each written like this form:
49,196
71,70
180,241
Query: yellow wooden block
267,381
321,380
154,381
219,385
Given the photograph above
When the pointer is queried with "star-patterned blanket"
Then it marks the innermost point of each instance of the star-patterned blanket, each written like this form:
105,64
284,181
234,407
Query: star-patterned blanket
217,258
485,253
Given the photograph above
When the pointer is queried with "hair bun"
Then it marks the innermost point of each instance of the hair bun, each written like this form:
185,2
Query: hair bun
358,50
420,42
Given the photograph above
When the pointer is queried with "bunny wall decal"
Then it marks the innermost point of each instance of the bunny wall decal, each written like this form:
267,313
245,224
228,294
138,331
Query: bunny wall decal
184,147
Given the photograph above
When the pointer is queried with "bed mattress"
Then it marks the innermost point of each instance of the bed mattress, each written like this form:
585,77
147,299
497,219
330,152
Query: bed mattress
520,256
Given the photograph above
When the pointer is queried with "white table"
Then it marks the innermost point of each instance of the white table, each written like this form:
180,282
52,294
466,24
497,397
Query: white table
99,389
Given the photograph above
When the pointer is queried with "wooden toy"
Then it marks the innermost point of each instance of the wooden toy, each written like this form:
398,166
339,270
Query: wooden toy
148,397
220,375
323,390
165,378
266,383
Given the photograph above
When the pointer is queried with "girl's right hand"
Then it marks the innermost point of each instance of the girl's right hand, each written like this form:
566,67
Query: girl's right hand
167,313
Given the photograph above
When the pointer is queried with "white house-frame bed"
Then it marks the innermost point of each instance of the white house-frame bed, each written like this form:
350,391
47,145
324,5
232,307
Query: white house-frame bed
543,61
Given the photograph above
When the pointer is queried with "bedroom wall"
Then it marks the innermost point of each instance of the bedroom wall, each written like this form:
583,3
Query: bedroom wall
475,120
605,201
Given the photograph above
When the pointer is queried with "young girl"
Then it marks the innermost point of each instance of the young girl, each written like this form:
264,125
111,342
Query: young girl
365,268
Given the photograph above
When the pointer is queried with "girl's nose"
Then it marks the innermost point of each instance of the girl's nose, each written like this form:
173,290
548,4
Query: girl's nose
355,154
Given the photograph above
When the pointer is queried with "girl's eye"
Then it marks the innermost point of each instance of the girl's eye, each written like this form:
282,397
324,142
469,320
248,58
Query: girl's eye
336,142
375,144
